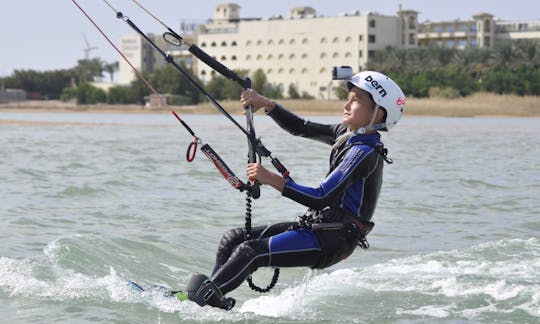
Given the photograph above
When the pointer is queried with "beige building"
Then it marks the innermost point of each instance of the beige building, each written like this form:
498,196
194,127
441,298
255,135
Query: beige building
301,48
145,58
298,50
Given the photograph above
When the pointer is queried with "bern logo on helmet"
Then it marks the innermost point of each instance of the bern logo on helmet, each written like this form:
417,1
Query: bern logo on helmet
376,85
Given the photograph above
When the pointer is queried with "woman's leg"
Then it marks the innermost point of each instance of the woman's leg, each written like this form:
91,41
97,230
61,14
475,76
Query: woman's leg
233,238
276,246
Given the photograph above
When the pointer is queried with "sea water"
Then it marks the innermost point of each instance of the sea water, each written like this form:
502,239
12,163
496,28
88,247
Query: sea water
90,200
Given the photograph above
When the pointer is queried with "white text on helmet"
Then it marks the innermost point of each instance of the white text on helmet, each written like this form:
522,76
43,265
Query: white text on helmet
376,85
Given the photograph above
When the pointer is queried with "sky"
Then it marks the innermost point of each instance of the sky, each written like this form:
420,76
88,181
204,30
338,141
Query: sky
50,34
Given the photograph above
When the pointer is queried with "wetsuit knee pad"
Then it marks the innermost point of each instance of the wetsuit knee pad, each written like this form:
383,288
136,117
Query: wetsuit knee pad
232,238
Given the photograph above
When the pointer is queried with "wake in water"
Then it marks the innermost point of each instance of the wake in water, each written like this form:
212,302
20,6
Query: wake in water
490,281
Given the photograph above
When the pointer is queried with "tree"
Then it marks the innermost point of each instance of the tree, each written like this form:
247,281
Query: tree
111,68
88,70
259,81
170,81
293,93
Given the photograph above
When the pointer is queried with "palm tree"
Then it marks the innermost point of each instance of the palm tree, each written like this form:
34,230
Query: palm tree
111,68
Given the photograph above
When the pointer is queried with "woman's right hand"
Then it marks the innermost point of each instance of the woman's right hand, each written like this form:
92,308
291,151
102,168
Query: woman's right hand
257,101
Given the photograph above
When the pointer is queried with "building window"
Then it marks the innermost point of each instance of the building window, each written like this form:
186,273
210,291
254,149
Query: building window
335,40
450,43
223,58
292,41
335,55
438,29
304,70
280,71
248,43
224,43
371,53
259,42
259,57
213,44
412,22
269,71
348,39
305,41
360,37
280,56
248,57
203,44
233,43
450,29
372,23
360,53
487,41
233,58
304,56
323,55
281,42
412,39
487,26
371,39
292,71
269,57
323,40
270,42
291,57
322,70
348,55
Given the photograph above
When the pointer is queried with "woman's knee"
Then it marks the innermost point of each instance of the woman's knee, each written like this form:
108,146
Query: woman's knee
232,237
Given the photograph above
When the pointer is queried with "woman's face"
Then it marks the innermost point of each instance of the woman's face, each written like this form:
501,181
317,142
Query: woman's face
358,110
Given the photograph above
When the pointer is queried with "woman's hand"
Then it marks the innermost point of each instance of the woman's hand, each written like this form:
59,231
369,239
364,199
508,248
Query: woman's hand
257,101
256,172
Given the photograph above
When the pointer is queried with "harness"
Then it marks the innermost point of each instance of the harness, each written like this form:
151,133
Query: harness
335,218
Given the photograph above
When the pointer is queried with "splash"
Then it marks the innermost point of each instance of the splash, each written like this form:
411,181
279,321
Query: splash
492,278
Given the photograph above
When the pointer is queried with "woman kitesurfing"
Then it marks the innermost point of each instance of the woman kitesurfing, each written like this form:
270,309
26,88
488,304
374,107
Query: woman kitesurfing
340,209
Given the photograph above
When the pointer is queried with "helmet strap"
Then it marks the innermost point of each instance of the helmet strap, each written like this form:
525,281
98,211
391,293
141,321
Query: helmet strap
370,127
375,111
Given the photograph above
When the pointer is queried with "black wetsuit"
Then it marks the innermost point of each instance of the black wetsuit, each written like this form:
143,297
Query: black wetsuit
348,194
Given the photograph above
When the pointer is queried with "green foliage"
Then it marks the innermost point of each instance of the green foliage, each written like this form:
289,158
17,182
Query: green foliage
69,93
220,88
293,93
123,95
47,84
511,67
170,81
88,94
259,81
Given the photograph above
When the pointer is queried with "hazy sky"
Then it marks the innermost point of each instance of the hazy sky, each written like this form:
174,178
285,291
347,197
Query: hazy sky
48,34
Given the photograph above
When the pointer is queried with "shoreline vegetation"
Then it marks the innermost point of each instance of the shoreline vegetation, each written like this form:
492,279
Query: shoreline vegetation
476,105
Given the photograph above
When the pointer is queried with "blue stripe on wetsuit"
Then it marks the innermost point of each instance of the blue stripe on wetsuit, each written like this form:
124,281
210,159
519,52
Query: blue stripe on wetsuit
320,197
294,241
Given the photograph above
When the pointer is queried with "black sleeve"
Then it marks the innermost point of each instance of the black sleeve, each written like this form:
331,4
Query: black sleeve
301,127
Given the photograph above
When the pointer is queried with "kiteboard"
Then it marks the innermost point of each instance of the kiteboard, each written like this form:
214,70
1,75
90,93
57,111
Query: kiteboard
158,290
209,292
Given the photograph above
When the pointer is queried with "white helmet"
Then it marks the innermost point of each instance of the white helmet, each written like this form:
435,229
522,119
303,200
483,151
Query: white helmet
385,92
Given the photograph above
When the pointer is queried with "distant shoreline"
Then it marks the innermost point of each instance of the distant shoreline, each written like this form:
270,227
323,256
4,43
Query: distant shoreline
477,105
